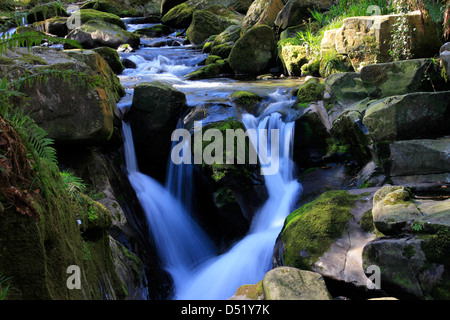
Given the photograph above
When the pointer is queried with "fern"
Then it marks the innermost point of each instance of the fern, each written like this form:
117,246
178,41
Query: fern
30,39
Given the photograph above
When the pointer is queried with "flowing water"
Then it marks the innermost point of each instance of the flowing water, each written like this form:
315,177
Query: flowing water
186,251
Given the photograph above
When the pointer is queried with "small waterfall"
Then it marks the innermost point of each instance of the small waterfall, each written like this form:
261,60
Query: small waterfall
249,259
181,243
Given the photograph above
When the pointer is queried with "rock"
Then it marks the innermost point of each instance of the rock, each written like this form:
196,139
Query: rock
419,157
122,8
229,35
211,70
295,11
241,6
56,26
444,54
245,100
46,11
90,14
366,40
212,21
413,267
410,116
261,12
153,116
344,89
328,235
96,33
293,58
155,31
112,57
249,292
402,77
82,112
254,51
332,62
166,5
311,91
222,50
286,283
396,210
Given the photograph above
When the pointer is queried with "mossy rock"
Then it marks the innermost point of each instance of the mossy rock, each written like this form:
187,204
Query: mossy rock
332,62
91,14
249,291
254,52
212,59
179,16
222,50
112,57
32,59
310,230
312,90
230,34
245,99
121,8
211,70
293,58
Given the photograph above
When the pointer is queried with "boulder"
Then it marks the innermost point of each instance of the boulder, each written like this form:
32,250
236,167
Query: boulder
91,14
249,292
212,21
122,8
245,100
230,34
366,40
222,50
261,12
56,26
112,57
166,5
412,267
82,112
402,77
155,31
153,116
328,235
97,33
312,90
295,11
410,116
254,51
344,89
210,70
419,157
241,6
287,283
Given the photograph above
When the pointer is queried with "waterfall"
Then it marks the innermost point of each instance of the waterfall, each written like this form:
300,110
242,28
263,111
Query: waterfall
181,243
250,258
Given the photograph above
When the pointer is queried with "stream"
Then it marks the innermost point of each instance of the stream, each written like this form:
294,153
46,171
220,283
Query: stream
186,251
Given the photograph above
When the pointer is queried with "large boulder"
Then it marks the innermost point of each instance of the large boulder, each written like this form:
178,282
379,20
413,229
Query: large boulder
97,33
91,14
254,51
410,116
166,5
153,116
46,11
328,235
366,40
296,11
212,21
286,283
401,77
261,12
83,111
293,58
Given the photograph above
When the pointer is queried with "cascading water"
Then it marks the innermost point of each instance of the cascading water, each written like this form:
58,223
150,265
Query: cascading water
185,250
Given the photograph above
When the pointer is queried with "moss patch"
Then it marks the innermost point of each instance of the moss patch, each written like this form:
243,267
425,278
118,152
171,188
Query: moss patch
310,230
311,90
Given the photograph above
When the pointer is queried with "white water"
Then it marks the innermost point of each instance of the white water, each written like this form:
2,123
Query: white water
185,250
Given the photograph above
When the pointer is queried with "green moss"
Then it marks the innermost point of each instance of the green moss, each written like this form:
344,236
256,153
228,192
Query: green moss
158,30
179,16
245,97
212,59
91,14
208,71
313,227
366,221
6,61
222,50
312,90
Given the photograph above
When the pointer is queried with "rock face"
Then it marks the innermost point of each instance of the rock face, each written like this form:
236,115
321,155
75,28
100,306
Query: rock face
366,39
285,283
153,116
254,51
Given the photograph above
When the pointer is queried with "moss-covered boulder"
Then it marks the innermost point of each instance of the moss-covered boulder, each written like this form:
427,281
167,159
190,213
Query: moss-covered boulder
344,89
222,50
179,16
287,283
230,34
46,11
56,26
312,90
246,100
410,116
166,5
332,62
249,292
112,57
211,70
254,51
402,77
261,12
98,33
121,8
155,31
211,21
91,14
295,11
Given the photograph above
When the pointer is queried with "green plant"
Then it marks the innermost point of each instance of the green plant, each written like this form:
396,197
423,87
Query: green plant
401,34
417,225
4,286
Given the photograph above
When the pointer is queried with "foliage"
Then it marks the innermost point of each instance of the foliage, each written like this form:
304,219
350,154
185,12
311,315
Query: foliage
401,34
4,290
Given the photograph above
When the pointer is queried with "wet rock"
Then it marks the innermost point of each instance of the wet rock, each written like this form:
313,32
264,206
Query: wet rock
295,11
261,12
